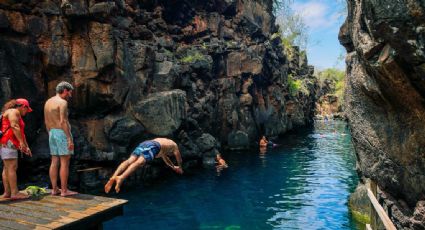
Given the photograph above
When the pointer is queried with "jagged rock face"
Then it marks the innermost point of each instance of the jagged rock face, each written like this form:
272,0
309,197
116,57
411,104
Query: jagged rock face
385,98
189,70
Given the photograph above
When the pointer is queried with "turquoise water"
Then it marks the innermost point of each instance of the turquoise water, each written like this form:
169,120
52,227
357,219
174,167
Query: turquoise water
302,184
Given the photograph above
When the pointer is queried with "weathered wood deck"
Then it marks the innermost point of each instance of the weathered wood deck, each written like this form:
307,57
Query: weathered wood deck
55,212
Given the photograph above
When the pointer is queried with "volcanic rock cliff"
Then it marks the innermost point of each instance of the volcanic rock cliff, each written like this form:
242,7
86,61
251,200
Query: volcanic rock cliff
208,74
385,41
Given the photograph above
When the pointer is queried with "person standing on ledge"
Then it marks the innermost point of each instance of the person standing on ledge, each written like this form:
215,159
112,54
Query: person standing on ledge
145,152
60,139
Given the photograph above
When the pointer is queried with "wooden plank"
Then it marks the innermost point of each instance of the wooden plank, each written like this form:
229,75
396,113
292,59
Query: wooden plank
90,212
51,224
70,202
58,202
55,212
90,207
8,224
107,200
41,212
74,200
380,211
16,216
90,199
75,211
89,169
94,221
58,205
37,206
71,213
96,200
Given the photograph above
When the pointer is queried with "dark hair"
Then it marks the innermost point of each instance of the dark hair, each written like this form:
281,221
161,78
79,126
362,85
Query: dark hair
10,105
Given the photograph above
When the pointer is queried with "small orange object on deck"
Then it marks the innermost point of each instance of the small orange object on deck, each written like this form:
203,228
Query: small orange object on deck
79,211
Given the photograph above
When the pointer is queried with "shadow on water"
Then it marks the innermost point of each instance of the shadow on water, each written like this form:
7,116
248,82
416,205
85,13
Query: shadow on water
302,184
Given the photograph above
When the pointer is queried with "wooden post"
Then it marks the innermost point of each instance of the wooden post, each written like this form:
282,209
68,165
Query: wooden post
378,218
373,216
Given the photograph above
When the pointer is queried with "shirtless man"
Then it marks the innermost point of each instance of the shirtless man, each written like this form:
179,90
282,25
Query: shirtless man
221,164
220,161
263,141
60,139
145,152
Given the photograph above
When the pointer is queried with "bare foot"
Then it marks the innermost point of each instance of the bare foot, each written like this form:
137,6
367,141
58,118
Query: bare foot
109,184
19,196
5,195
119,181
55,192
68,193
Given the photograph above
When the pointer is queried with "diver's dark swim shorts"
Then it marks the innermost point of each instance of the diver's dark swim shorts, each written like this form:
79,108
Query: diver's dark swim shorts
147,149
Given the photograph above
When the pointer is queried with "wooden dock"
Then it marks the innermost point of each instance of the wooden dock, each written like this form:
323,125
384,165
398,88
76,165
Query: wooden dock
55,212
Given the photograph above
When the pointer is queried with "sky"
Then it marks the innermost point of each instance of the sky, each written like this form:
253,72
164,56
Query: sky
323,19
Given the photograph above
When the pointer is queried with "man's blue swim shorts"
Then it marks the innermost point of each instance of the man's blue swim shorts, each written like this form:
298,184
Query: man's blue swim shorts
147,149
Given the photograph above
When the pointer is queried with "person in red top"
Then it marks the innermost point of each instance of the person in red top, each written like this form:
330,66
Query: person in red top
13,139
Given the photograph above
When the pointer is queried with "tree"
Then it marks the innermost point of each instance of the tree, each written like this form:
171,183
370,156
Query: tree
292,28
335,75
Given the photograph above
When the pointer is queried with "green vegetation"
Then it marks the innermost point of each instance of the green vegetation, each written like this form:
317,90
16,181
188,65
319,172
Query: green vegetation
204,46
294,85
275,35
335,75
303,54
293,30
331,74
360,217
231,44
297,85
287,43
193,57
